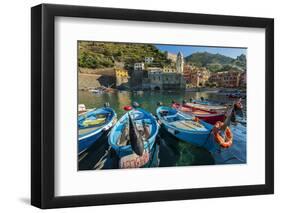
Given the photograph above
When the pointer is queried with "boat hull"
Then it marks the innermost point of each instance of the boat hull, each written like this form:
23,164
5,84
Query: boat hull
212,119
123,152
206,107
198,138
85,141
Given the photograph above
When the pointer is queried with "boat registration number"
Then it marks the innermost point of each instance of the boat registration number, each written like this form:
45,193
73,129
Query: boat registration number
134,161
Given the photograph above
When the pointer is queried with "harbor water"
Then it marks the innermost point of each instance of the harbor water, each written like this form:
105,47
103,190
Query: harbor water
168,150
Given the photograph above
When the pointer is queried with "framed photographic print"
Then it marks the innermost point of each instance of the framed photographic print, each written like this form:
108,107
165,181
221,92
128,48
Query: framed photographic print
140,106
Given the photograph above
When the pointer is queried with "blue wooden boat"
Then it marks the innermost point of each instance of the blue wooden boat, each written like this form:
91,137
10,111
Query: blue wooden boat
92,124
130,154
185,127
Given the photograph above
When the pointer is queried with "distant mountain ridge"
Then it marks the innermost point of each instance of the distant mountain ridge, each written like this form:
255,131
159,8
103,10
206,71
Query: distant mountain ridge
217,62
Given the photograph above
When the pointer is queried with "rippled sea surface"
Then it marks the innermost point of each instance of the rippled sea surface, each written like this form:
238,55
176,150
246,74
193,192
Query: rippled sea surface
169,151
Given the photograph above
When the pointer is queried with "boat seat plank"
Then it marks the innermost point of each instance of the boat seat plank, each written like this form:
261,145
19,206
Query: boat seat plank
87,130
188,125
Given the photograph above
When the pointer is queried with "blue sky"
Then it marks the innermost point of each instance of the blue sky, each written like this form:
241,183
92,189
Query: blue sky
188,50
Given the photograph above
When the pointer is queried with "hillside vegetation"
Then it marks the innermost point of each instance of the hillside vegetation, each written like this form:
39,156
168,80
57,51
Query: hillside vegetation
99,55
105,55
217,62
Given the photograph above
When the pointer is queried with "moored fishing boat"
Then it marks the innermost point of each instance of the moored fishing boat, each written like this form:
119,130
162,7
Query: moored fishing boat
206,107
185,127
206,115
202,101
133,137
92,124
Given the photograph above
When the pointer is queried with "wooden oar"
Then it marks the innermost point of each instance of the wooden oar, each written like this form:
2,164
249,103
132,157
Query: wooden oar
229,114
135,138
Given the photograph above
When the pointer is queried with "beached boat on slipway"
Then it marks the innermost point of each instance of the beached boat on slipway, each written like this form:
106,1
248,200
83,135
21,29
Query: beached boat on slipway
92,124
133,137
185,127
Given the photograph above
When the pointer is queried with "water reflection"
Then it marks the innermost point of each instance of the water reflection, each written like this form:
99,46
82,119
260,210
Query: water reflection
168,150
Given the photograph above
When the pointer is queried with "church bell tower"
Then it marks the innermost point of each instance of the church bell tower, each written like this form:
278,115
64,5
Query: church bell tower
179,63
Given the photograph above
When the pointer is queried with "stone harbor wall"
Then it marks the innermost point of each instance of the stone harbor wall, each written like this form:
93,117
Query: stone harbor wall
86,81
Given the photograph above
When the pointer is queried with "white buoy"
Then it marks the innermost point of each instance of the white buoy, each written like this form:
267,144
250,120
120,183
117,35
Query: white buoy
81,108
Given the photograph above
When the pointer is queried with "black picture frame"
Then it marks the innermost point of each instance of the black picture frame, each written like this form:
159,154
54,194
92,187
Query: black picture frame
43,102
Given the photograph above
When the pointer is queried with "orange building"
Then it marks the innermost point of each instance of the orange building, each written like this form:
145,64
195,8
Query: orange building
196,76
243,79
226,79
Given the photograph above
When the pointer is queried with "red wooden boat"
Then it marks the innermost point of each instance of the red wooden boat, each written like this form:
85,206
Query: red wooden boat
207,113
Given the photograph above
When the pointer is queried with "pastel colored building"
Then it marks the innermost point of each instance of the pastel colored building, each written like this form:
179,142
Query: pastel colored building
226,79
168,77
122,77
139,66
243,79
196,76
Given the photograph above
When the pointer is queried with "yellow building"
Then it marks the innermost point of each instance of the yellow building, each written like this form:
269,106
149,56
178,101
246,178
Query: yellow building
168,69
122,77
121,72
